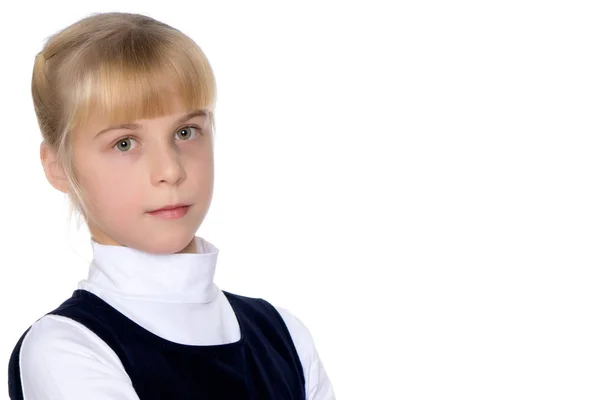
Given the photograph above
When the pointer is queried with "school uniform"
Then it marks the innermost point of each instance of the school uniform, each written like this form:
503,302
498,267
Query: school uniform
146,326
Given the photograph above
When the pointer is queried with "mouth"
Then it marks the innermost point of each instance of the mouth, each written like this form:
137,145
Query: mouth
171,211
170,207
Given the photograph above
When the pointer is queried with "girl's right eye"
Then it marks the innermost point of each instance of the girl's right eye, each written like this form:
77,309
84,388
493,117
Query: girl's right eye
124,145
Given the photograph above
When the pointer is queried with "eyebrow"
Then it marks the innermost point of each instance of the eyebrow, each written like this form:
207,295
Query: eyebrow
195,113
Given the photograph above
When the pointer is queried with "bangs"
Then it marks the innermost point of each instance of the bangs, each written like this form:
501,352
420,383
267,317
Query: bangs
138,80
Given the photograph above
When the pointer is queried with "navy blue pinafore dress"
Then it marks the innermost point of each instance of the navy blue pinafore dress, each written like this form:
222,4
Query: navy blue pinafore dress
262,365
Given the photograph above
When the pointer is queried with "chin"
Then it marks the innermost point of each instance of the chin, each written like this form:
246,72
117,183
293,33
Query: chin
165,243
173,245
150,238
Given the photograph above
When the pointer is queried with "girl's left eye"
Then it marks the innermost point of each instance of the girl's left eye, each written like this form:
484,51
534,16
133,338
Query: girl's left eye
187,133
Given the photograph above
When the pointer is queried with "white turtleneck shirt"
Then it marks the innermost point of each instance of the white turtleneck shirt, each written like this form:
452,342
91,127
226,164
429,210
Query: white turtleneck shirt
173,296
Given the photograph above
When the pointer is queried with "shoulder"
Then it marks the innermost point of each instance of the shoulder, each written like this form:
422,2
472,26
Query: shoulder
60,357
318,386
300,334
55,333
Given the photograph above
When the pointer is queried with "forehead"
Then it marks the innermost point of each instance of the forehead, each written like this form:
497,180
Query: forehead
175,112
113,100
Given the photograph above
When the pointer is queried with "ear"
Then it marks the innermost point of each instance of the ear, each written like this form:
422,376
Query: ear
52,168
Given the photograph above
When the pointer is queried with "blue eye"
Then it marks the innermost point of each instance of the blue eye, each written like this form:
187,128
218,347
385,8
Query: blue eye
187,133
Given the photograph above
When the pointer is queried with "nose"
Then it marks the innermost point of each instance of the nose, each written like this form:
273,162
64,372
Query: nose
166,166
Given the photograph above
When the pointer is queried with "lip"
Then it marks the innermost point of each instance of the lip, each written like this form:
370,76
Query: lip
175,211
171,207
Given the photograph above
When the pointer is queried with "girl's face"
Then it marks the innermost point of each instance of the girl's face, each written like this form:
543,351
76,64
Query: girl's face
131,170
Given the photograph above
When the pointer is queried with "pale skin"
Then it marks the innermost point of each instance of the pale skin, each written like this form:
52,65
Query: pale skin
129,171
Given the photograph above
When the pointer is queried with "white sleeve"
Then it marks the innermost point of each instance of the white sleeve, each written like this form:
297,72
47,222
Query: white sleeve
62,359
318,386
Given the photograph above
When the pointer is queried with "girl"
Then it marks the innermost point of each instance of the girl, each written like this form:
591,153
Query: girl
125,105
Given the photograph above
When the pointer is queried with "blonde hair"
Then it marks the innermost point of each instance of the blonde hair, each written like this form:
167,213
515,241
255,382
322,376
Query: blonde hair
122,66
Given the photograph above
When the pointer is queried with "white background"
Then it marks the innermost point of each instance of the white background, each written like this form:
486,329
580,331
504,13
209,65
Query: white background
417,181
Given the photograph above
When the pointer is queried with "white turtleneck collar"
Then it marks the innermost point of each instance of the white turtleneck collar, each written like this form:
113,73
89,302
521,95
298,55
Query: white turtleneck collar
166,278
171,295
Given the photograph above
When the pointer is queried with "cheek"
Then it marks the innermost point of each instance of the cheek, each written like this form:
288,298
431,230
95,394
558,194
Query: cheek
202,171
109,185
